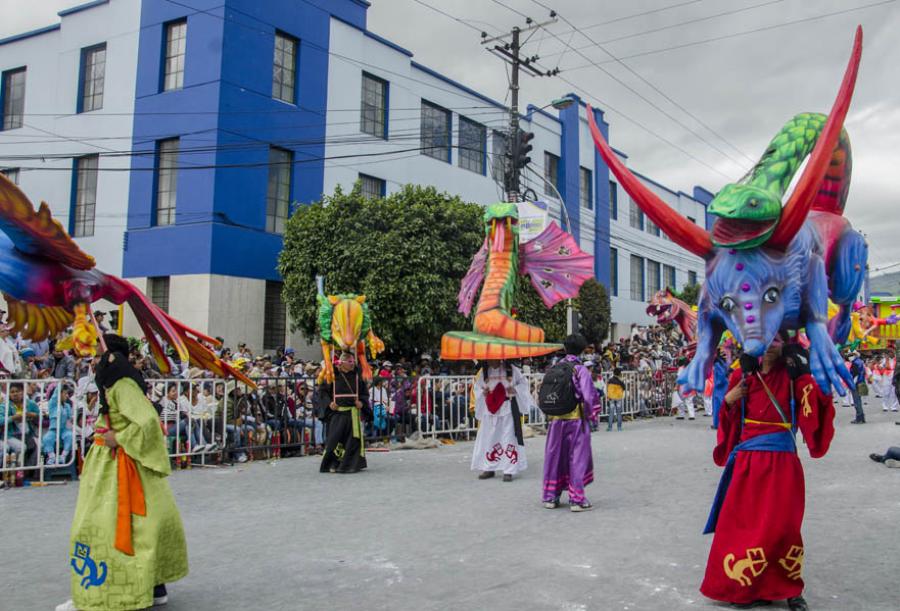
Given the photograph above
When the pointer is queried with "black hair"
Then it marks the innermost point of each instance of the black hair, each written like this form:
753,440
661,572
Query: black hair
575,344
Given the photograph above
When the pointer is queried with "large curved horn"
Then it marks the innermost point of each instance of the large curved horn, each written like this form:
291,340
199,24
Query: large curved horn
682,231
798,206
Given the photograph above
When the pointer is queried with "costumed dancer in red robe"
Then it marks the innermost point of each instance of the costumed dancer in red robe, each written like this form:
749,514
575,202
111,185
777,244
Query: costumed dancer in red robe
757,551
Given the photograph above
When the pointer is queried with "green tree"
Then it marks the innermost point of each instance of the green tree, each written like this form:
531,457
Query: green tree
531,310
407,253
690,294
594,311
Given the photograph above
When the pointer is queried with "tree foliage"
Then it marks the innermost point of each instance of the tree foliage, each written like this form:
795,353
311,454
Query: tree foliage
407,253
690,294
531,310
594,312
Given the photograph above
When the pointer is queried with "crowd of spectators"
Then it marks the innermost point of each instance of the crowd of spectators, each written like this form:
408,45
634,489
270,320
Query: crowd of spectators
41,417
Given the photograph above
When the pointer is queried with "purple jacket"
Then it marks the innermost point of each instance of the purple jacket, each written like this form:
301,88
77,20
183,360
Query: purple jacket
584,387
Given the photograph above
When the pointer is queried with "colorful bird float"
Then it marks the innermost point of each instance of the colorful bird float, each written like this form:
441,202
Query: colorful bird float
49,283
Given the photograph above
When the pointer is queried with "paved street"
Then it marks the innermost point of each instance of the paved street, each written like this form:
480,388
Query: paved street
418,531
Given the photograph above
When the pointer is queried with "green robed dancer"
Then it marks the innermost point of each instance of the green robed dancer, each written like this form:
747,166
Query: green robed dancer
127,540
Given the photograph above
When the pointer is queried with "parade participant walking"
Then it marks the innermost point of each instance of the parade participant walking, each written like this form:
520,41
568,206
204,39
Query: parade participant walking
501,396
347,406
858,371
119,562
568,463
757,551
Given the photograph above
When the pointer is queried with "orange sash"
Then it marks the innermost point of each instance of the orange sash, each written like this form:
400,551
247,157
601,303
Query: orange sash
131,497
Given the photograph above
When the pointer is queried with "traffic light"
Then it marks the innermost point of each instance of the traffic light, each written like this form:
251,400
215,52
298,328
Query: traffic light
521,148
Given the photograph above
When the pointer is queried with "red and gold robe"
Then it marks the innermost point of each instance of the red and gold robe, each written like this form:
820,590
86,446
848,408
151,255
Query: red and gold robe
757,550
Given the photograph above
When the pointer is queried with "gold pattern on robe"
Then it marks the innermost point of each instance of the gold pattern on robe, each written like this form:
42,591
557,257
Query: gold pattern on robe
755,561
793,562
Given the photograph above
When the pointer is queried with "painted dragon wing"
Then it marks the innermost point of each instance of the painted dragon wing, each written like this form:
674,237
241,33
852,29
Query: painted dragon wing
556,265
472,282
36,232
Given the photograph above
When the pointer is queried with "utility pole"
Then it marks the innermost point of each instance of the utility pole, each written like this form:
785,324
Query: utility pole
517,142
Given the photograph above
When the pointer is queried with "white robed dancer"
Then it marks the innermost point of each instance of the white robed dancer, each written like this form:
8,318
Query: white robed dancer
499,445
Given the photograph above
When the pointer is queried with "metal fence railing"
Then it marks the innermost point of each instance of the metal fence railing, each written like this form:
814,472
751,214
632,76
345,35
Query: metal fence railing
47,426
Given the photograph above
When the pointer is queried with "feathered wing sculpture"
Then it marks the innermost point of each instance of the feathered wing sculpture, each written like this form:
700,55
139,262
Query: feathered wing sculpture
555,264
49,283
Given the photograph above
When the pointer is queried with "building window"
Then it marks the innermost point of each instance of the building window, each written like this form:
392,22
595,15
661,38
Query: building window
613,201
635,216
472,145
653,277
669,276
614,272
692,219
93,75
586,193
371,187
652,227
12,174
284,68
499,159
278,199
173,66
166,180
275,321
374,105
551,174
692,277
83,212
637,278
158,291
13,98
435,131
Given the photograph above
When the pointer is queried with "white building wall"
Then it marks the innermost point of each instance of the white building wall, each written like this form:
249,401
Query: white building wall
52,127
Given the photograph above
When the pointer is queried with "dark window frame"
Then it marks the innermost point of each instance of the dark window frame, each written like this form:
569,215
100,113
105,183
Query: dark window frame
170,173
613,200
382,186
13,118
84,79
278,206
159,290
551,173
379,124
177,73
614,271
83,215
282,86
274,316
585,183
469,157
427,133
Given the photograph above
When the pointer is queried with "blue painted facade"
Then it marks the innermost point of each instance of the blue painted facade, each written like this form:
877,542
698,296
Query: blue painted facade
226,119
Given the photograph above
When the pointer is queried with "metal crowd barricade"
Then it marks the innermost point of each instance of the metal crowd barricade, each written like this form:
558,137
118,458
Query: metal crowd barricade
445,404
34,418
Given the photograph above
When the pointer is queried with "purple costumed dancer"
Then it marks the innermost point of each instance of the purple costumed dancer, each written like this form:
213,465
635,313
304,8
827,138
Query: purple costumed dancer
568,463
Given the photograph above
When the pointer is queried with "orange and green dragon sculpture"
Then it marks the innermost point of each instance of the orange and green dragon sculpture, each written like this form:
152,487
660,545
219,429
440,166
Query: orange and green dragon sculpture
553,262
345,324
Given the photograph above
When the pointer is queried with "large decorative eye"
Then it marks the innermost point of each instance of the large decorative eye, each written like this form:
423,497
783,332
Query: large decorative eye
771,295
727,304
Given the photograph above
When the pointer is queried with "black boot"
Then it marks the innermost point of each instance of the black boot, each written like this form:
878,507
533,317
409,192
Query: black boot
160,596
486,475
877,457
797,603
752,605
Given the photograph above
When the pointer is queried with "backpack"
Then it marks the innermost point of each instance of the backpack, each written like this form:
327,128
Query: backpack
557,394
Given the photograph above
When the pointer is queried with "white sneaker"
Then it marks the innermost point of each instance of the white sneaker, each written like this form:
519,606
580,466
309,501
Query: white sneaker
585,507
159,601
242,458
893,463
69,605
51,459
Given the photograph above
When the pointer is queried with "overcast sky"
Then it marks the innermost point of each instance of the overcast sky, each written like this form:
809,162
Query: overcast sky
734,93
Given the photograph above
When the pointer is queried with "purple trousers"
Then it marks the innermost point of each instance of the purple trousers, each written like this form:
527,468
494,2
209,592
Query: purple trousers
568,463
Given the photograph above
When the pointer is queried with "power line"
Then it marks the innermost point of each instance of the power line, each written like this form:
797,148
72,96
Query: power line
632,89
677,25
737,34
655,87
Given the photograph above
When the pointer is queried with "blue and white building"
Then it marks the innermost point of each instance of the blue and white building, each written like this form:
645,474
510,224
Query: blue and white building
175,138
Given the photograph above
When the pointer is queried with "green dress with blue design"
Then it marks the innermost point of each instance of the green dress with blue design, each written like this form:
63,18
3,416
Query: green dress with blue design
103,577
